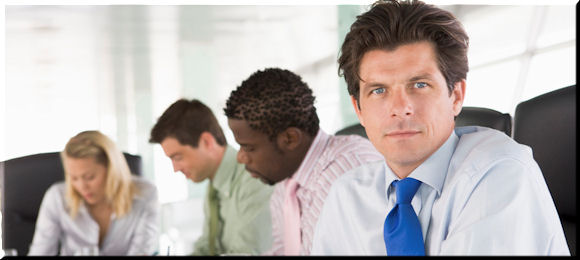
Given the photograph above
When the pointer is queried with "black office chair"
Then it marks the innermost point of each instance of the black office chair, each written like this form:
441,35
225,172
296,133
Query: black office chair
547,123
23,182
481,116
355,129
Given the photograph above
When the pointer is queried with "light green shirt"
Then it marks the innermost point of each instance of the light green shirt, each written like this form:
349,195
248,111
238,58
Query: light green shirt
244,224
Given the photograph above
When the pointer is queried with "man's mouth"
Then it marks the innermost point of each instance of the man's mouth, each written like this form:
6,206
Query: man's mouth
402,133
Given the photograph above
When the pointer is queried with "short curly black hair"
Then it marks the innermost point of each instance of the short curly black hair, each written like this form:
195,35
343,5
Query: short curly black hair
273,100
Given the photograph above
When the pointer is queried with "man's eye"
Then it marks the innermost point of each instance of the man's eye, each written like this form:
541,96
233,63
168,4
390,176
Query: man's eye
420,84
378,91
248,149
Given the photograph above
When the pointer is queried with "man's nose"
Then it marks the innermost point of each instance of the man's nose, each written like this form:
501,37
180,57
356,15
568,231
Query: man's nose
401,104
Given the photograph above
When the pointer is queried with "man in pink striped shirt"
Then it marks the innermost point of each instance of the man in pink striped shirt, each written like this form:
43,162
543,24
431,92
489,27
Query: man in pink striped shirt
273,118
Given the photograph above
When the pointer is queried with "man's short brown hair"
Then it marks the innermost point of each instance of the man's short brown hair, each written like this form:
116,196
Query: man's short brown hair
185,120
390,24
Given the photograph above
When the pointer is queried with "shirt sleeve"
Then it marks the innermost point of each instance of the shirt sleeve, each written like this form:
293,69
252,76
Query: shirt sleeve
48,231
145,240
508,211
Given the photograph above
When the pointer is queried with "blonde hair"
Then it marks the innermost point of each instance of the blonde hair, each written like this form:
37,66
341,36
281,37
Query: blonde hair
119,188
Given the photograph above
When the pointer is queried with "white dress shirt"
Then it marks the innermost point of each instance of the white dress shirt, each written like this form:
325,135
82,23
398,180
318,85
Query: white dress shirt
481,194
134,234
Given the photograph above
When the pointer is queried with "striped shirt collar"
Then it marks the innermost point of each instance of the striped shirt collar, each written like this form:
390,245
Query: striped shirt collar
305,171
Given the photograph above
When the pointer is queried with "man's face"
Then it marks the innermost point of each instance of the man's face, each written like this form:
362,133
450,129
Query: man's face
405,104
192,162
263,159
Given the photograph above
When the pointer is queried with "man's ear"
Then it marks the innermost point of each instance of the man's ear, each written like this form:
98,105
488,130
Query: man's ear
206,140
355,104
290,138
458,95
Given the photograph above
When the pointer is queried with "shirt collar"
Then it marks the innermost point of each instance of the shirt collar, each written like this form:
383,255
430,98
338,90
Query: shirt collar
314,152
225,173
433,170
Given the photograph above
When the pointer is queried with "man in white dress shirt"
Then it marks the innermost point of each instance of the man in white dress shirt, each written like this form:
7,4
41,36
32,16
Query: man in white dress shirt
480,192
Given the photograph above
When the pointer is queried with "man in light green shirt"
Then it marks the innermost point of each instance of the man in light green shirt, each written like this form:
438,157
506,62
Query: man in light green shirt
244,204
236,207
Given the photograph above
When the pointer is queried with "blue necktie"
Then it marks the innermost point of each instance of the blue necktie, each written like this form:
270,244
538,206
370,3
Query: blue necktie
402,230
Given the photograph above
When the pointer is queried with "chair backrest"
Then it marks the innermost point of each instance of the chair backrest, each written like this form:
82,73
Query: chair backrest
481,116
355,129
547,123
23,182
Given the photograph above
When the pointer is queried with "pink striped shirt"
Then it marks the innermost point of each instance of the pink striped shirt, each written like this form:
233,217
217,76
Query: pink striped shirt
328,158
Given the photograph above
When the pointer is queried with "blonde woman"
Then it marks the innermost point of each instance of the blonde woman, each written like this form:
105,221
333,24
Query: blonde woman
99,205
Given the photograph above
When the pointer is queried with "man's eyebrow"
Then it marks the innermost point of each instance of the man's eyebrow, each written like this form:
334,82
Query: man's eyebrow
373,84
422,76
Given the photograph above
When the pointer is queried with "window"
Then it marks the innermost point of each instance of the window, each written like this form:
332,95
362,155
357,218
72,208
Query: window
517,52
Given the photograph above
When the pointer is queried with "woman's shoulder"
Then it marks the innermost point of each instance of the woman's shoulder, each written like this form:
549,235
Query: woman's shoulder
54,196
56,189
145,188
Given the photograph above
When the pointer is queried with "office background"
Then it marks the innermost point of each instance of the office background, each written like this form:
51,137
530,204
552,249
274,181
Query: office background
116,68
